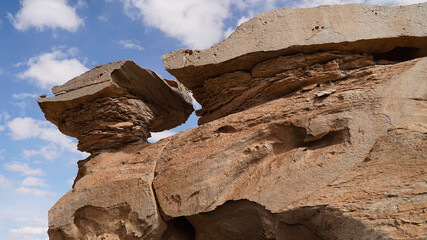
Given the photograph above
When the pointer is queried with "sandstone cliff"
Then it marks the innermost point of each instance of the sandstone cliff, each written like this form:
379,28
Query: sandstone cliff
314,126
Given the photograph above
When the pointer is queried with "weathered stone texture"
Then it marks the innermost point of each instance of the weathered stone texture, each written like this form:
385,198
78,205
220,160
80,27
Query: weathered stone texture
325,140
116,104
281,50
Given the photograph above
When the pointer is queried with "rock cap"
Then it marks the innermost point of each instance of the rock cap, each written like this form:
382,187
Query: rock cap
117,99
350,27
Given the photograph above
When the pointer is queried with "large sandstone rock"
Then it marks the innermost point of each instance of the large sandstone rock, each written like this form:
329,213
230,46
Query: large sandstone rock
312,144
349,165
224,76
116,104
112,199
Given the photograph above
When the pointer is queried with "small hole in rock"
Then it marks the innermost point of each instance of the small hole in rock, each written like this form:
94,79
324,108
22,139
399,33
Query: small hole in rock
226,129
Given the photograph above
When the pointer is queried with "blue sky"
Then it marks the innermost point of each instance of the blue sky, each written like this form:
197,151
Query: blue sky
47,42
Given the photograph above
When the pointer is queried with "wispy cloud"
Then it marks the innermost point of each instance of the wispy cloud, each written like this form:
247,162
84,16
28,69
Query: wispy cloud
34,182
30,229
49,152
4,116
23,169
53,68
131,44
103,17
42,14
21,96
4,182
34,191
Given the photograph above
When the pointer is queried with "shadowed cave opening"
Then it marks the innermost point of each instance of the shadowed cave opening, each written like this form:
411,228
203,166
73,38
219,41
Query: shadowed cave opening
244,219
399,54
179,228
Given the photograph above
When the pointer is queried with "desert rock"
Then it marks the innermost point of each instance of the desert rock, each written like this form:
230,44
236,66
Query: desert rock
116,104
324,140
278,51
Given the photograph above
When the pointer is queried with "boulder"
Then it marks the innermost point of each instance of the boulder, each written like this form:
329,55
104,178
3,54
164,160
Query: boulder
116,104
224,76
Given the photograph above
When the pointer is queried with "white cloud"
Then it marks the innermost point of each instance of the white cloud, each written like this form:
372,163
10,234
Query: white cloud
196,23
49,152
20,96
28,232
156,136
131,44
242,20
81,4
34,191
103,17
23,168
54,68
34,182
4,116
29,128
36,229
4,182
43,14
2,151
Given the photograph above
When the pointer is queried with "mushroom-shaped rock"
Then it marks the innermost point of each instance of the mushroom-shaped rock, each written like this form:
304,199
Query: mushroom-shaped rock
116,104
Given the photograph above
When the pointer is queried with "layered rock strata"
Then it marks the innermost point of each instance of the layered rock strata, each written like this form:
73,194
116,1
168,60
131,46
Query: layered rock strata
281,50
321,145
116,104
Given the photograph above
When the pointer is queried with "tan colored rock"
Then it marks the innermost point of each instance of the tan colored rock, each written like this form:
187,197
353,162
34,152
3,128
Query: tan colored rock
337,167
320,141
112,199
295,39
116,104
349,165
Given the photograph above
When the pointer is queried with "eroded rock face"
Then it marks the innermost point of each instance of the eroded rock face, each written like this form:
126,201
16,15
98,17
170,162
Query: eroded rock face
112,199
116,104
315,144
279,51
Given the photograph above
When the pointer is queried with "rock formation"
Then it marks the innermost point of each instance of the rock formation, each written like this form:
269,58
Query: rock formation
273,53
314,126
116,104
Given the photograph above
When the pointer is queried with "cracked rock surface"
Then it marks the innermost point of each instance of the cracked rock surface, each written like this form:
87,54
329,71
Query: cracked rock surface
314,144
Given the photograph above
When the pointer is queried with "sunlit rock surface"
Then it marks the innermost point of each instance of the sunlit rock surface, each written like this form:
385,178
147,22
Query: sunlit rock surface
314,127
